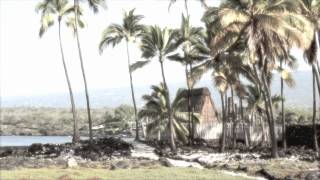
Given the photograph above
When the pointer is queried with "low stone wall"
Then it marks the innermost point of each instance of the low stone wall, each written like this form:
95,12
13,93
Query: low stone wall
301,135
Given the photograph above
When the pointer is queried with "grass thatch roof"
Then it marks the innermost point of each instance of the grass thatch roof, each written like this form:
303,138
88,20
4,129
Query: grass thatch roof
198,96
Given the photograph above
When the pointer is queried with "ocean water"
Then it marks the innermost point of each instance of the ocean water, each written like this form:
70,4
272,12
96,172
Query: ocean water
28,140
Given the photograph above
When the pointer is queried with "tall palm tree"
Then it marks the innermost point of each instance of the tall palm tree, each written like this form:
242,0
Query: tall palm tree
188,40
314,114
94,5
268,35
156,109
159,43
128,31
52,10
311,9
285,76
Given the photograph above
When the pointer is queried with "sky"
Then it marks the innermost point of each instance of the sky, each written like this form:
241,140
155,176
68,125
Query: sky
32,66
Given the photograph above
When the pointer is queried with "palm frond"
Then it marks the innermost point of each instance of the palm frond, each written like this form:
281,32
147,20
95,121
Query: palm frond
138,65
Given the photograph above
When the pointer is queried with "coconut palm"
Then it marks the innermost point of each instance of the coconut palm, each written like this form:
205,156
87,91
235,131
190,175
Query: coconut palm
285,76
51,11
128,31
188,40
314,114
311,9
268,35
94,5
156,109
159,43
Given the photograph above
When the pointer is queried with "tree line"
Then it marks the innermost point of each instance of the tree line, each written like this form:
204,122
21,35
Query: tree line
242,44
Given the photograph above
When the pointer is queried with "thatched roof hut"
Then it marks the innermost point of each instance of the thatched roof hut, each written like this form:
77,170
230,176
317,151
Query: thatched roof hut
202,103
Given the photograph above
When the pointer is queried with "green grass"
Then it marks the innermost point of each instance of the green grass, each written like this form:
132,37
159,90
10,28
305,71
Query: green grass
121,174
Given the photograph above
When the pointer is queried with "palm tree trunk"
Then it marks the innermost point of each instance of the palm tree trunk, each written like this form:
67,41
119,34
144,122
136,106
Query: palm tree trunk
189,106
316,74
263,86
132,94
284,140
223,137
76,136
316,144
274,145
76,5
263,138
227,113
233,118
315,137
172,141
192,109
246,138
315,65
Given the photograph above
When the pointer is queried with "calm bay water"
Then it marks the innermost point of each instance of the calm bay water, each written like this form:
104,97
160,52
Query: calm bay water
28,140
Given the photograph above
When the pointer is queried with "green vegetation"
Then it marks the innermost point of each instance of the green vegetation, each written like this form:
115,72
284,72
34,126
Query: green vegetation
122,174
156,109
58,121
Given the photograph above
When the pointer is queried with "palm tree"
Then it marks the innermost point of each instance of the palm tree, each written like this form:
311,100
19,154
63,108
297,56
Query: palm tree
188,39
285,76
314,114
60,10
311,9
94,5
159,43
268,36
114,34
156,109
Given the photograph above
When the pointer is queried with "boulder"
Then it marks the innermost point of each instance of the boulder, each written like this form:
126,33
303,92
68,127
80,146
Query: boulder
6,152
35,149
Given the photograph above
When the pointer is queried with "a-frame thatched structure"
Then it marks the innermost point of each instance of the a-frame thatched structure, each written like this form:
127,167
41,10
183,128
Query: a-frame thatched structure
209,126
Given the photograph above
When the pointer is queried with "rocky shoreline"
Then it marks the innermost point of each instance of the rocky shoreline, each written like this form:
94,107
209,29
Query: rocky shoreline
295,163
115,153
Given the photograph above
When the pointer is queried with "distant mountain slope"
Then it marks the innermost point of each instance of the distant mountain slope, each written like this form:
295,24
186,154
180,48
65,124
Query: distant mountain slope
300,96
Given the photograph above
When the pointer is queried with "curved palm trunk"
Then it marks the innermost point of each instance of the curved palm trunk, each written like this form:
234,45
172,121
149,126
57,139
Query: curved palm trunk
172,142
76,136
268,101
132,95
190,117
223,137
284,140
189,106
315,137
76,4
263,86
